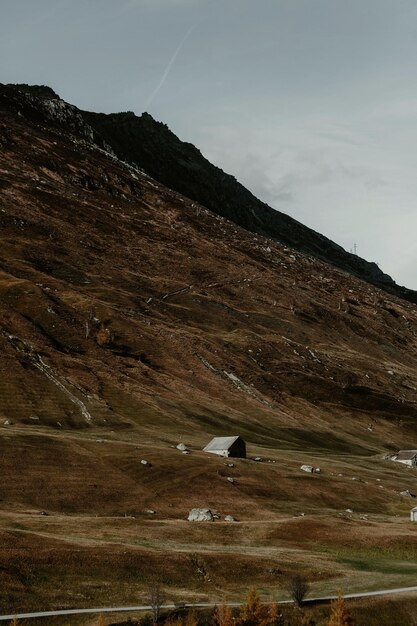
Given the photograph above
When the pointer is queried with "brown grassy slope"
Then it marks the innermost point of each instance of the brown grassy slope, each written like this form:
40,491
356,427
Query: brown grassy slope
131,319
144,304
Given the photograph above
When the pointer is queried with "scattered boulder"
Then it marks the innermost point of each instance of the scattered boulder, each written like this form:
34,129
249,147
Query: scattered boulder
200,515
229,518
230,479
258,459
182,447
150,511
349,510
185,451
307,468
144,462
407,494
317,470
7,422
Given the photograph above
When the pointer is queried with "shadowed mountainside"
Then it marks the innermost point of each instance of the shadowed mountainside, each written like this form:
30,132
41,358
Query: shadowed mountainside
181,166
151,146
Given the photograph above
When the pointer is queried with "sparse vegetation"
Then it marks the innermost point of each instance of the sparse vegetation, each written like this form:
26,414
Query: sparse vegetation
156,599
340,614
275,616
101,620
253,613
297,587
223,616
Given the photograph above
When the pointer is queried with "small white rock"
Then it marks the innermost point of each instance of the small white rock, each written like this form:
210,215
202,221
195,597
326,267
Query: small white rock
307,468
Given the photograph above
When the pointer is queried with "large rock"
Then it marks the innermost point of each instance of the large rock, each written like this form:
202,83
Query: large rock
307,468
407,494
200,515
182,447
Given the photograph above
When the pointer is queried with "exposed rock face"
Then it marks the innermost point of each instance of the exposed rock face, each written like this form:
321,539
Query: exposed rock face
200,515
42,104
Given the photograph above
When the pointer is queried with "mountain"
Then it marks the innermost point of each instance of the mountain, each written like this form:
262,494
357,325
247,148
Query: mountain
151,146
132,318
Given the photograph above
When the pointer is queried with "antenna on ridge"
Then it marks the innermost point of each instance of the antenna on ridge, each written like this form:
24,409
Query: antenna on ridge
354,250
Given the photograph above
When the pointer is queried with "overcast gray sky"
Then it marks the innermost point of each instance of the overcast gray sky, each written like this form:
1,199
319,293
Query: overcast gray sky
312,104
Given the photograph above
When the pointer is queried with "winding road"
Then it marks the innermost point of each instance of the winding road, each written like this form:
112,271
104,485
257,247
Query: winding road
134,609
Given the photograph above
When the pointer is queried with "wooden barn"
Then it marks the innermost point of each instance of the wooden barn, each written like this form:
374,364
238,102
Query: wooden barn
408,457
227,446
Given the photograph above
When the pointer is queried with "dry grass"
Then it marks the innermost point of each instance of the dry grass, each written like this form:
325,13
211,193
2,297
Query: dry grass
98,545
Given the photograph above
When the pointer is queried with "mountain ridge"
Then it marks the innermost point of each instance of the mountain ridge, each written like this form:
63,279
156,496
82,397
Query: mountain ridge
181,166
153,147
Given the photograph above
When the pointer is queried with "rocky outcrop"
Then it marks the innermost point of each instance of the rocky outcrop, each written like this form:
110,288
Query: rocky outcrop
200,515
41,104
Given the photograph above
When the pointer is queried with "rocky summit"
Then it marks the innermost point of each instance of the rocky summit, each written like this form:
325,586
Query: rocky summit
147,298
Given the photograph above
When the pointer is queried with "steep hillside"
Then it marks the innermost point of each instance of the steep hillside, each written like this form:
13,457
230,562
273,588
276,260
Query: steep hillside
151,146
103,265
179,165
132,318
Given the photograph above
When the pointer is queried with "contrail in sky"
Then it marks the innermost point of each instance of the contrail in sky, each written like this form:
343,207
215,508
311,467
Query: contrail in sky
168,67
